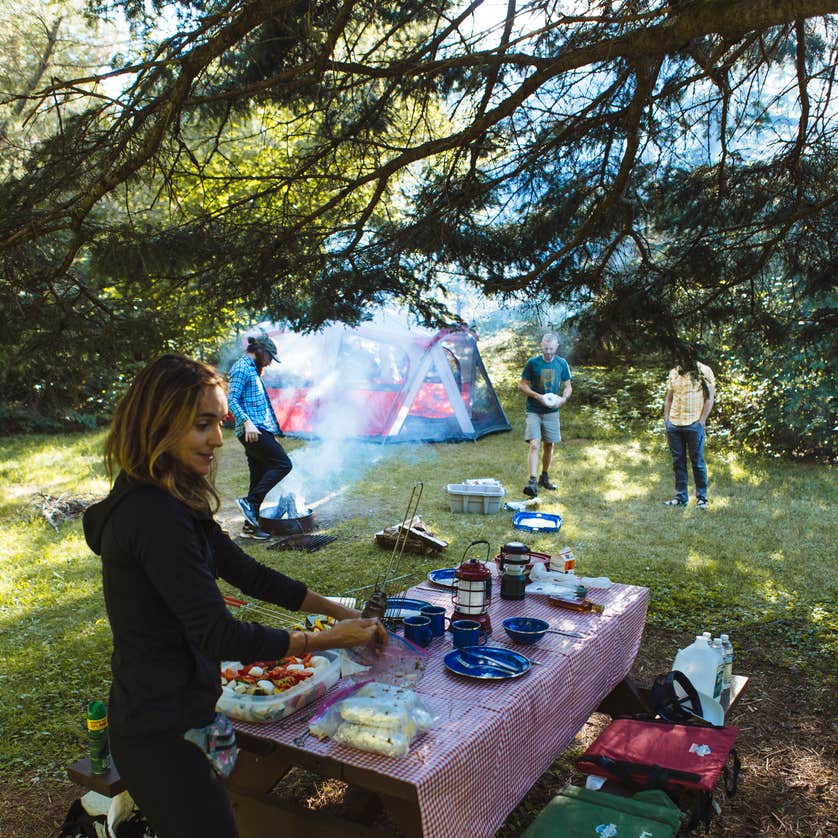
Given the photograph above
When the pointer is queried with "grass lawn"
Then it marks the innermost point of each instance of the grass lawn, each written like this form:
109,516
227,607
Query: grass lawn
760,564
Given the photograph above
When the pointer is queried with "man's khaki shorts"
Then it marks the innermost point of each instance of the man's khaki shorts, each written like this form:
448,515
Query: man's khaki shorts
543,426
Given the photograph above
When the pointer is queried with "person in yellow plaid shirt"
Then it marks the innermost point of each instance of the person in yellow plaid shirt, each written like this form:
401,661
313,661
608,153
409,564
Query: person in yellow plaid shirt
689,400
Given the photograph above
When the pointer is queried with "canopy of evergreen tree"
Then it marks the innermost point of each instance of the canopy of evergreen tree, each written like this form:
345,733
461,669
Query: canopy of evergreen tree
663,168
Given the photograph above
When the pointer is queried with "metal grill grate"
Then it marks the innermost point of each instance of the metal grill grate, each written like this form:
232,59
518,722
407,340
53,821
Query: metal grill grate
309,543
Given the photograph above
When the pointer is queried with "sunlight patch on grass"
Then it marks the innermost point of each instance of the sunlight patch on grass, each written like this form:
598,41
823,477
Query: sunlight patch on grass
53,465
701,562
621,488
741,468
597,455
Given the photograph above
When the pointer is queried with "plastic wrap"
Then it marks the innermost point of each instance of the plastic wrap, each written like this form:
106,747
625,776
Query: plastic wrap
400,662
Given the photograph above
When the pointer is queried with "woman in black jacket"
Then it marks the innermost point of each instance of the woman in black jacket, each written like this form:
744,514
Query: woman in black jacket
161,553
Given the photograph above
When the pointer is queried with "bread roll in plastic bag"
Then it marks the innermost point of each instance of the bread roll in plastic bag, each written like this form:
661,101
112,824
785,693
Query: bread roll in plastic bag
373,716
379,740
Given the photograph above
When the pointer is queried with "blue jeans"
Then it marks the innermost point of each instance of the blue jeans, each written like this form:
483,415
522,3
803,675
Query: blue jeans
268,464
683,439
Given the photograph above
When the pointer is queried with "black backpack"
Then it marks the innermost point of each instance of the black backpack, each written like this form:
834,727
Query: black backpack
666,703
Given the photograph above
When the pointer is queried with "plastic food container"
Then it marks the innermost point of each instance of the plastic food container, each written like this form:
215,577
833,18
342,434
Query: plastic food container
536,521
269,708
470,497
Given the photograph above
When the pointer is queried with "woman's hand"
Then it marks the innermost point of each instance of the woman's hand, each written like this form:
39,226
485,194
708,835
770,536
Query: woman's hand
346,633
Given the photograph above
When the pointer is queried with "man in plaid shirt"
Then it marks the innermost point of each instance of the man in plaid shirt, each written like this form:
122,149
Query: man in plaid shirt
689,400
257,429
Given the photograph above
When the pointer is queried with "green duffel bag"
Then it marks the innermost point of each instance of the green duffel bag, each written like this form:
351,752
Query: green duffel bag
575,812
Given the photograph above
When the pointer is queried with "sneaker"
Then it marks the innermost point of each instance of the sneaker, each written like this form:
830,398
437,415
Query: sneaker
675,502
702,504
249,531
531,489
544,481
250,514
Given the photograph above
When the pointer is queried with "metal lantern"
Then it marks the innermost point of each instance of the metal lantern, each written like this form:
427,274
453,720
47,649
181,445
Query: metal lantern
472,591
513,582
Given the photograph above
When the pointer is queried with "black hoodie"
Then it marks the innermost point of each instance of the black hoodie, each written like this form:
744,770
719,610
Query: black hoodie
170,625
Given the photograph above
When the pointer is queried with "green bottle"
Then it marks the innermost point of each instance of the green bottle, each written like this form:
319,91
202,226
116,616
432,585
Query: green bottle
97,735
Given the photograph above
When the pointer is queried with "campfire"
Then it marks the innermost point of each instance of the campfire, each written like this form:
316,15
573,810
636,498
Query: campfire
289,515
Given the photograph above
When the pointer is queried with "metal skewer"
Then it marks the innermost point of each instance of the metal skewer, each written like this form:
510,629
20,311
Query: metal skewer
260,611
376,605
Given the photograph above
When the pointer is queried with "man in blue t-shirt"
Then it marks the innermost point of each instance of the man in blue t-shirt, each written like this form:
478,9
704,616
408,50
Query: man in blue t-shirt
541,379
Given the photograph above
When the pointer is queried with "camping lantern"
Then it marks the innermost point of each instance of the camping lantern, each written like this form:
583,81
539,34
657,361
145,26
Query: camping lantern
472,590
513,582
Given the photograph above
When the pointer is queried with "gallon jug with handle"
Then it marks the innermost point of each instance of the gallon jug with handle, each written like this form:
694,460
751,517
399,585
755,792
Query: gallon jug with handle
702,665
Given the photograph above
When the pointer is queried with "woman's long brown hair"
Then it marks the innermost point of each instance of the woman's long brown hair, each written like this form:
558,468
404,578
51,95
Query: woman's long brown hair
159,408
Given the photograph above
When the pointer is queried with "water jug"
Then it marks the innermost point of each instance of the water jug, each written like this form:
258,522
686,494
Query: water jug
702,665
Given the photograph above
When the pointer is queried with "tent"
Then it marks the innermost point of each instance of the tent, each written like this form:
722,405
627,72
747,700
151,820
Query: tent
382,381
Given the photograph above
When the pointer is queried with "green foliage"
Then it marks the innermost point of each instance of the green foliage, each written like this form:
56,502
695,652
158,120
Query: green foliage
613,401
313,160
791,412
17,419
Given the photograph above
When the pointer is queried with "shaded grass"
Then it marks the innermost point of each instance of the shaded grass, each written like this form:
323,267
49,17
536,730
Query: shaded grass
763,554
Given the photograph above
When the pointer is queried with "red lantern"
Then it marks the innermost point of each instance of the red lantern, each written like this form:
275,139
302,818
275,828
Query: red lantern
472,590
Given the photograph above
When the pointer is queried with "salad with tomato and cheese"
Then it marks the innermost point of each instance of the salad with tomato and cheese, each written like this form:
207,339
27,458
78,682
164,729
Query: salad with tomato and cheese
270,677
264,691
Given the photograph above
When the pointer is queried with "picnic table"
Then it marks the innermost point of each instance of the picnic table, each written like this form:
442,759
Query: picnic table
492,739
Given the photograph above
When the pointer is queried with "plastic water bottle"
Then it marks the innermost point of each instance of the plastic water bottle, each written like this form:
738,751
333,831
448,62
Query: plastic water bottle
716,646
727,651
97,735
702,665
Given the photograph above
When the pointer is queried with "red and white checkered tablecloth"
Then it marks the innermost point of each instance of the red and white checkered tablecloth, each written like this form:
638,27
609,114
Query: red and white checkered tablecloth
493,739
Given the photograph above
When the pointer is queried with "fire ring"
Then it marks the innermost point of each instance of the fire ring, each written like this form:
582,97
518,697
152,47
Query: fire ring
287,526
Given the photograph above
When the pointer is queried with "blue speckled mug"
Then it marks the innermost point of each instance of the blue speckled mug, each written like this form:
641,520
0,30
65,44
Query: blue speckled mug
417,629
468,633
436,614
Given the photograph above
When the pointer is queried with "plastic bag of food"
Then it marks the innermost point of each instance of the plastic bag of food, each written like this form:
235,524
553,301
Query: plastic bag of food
327,719
399,662
416,709
376,712
389,742
373,716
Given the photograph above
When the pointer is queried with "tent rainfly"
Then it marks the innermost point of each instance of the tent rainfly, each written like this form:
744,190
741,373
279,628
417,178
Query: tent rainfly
380,382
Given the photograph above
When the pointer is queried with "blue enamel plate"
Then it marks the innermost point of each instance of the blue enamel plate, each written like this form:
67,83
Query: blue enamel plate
400,607
536,521
444,576
487,663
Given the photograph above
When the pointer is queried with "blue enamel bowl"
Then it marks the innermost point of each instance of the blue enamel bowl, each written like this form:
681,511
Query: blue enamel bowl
526,630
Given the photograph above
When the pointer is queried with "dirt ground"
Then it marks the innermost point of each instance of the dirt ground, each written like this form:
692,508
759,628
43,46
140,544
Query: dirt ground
788,748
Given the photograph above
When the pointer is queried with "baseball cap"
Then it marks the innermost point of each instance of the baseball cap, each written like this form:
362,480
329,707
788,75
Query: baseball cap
264,343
